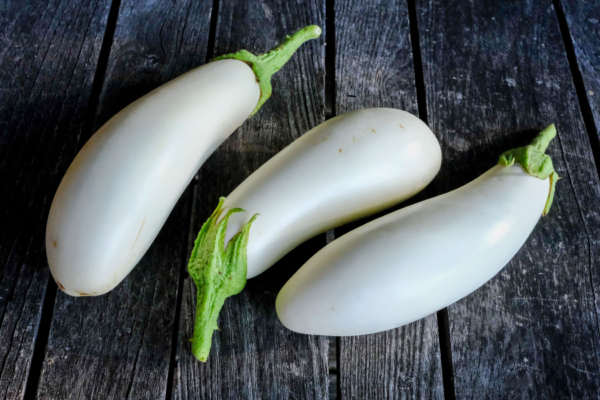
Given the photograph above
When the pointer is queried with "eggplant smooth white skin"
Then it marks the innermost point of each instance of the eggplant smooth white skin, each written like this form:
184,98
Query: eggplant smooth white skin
420,259
349,167
123,184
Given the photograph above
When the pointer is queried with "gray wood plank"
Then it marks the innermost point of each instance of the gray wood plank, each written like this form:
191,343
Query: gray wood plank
583,20
495,73
374,68
119,345
48,57
254,356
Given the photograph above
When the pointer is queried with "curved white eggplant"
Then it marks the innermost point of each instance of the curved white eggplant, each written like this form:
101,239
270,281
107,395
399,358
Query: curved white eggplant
347,168
418,260
351,166
121,187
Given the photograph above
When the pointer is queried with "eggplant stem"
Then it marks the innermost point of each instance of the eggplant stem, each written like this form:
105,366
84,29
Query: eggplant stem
265,65
543,139
534,161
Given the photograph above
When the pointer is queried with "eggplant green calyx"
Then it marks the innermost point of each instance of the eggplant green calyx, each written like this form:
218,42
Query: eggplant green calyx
217,273
534,161
265,65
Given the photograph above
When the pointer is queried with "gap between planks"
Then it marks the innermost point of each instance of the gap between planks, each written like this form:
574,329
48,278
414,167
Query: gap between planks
442,315
584,104
210,50
41,340
334,342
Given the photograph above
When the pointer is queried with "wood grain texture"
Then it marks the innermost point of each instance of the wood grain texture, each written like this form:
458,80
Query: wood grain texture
374,62
495,74
119,345
374,68
48,57
583,19
254,356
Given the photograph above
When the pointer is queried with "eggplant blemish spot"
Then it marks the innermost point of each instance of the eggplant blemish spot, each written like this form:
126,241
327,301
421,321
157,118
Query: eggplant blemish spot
138,235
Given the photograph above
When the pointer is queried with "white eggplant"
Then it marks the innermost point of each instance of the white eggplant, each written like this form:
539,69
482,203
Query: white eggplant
121,187
349,167
418,260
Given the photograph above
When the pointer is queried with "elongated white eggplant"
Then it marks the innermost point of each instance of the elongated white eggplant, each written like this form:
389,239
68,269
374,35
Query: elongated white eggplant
346,168
121,187
418,260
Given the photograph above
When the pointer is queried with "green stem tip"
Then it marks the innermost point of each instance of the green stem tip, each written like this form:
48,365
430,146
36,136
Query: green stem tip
265,65
218,274
534,161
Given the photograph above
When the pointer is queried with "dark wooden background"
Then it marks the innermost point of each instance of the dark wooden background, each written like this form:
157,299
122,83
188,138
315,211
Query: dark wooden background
484,75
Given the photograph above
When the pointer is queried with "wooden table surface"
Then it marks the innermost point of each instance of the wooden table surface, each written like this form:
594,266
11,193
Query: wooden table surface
485,76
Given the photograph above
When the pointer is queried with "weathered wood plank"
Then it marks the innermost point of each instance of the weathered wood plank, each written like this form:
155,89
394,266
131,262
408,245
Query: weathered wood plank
119,345
495,73
583,20
254,356
374,68
48,57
